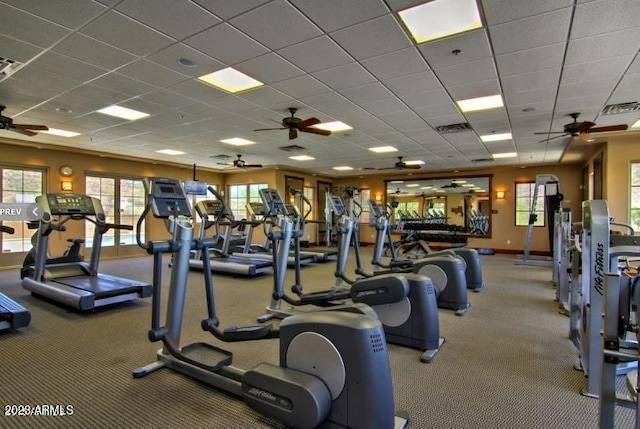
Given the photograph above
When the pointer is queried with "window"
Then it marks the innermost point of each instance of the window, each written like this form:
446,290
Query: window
524,199
309,194
19,185
363,197
123,201
410,209
241,195
634,204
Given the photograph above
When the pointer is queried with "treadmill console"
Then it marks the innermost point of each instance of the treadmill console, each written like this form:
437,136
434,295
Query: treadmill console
375,209
168,197
208,208
70,204
272,200
338,205
257,209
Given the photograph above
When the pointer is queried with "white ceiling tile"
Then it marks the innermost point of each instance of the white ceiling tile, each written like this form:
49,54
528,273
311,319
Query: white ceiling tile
367,93
500,11
473,45
475,89
233,103
131,36
431,99
29,28
301,86
269,68
179,18
73,14
125,85
265,24
228,9
226,44
345,76
382,107
103,96
39,83
596,69
415,83
169,57
492,126
305,54
605,16
385,31
17,50
266,96
455,118
434,112
399,63
531,81
531,60
525,98
635,66
539,107
571,90
152,73
536,31
326,101
67,66
461,74
93,52
331,15
197,90
603,46
166,98
627,90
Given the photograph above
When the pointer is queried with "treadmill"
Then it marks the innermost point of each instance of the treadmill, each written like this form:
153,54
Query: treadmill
77,284
211,213
258,210
12,314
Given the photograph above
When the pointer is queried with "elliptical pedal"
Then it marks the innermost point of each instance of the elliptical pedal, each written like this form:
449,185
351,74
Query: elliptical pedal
210,357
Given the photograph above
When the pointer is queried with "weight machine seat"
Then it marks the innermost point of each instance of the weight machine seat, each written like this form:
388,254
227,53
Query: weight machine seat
382,289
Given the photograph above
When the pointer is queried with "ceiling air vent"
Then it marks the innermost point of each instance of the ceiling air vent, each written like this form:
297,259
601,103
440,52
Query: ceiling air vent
453,128
8,67
616,109
221,156
482,160
291,148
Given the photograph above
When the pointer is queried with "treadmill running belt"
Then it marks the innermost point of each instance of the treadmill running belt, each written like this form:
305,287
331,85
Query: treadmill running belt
101,287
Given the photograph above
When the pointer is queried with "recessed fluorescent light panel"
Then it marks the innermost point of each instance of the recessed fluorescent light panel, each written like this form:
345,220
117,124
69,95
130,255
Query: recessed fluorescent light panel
334,127
481,103
441,18
495,137
413,185
123,112
636,125
504,155
414,162
62,133
302,158
383,149
230,80
469,185
397,181
237,141
170,152
343,168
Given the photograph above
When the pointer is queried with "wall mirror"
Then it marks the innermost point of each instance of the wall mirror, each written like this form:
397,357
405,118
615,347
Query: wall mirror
463,201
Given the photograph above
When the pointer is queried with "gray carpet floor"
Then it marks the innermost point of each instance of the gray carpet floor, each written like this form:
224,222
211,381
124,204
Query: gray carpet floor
507,363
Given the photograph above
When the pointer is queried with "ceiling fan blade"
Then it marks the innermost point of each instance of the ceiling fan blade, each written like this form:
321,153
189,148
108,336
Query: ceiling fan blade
556,137
31,127
387,168
585,127
252,166
411,166
552,132
620,127
293,134
22,131
307,123
316,131
270,129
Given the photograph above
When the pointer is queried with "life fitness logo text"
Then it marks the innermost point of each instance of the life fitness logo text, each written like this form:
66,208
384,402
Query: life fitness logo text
599,269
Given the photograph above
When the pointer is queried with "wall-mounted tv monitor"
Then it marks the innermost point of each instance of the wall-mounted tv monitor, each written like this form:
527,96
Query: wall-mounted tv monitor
195,187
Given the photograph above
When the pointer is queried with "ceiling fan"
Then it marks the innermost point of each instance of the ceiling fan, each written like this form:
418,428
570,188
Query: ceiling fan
451,185
6,123
576,128
240,163
294,125
401,165
398,192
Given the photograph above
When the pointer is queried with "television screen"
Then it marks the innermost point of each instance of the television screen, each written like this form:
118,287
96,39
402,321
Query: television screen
195,187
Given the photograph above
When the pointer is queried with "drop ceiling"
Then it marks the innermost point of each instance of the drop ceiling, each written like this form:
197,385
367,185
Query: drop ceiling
350,61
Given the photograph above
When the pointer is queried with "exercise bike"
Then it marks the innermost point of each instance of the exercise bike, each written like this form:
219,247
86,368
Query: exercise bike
333,367
71,254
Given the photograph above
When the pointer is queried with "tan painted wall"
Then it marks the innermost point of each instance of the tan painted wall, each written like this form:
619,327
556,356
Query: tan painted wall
619,154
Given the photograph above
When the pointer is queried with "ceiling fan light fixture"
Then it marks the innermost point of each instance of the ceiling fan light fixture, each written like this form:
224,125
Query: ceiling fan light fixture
237,141
495,137
61,133
302,158
383,149
230,80
334,127
480,103
441,18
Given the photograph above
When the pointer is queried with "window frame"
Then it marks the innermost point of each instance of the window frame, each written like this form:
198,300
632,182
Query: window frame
632,187
541,206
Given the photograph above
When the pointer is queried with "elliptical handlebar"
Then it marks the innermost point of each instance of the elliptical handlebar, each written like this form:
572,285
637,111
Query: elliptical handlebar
7,229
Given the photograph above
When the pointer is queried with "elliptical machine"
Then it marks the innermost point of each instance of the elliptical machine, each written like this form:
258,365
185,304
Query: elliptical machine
334,368
12,314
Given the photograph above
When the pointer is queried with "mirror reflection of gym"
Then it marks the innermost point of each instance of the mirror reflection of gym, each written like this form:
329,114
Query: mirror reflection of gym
461,202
